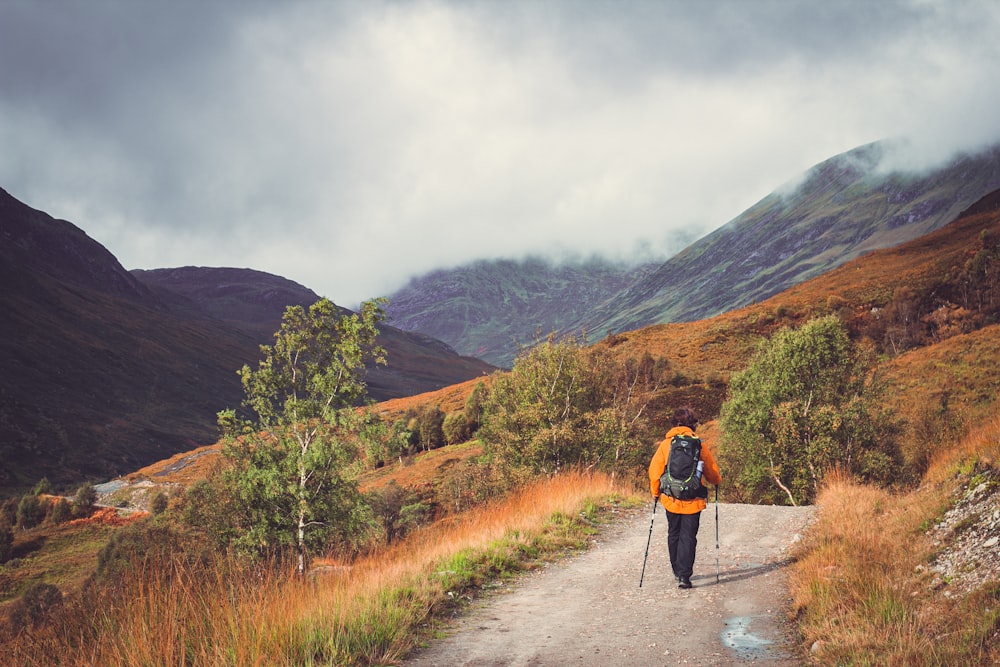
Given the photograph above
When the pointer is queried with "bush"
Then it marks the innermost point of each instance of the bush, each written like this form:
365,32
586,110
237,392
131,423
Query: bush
159,503
62,511
139,544
30,512
803,407
35,606
83,501
8,513
6,544
456,428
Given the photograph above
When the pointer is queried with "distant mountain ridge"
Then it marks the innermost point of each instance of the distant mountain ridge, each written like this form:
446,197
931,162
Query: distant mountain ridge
254,302
490,309
103,370
844,207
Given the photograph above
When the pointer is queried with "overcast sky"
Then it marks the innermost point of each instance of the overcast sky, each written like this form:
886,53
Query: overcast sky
351,145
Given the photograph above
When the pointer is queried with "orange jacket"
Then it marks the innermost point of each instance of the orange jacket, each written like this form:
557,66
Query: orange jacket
710,474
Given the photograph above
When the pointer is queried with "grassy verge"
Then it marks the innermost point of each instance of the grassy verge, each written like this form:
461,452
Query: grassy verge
863,588
369,612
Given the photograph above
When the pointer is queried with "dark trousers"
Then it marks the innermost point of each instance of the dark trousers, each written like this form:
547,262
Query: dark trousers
682,540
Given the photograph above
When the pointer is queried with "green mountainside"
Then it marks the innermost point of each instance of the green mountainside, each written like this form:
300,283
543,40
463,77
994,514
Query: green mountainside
845,207
490,309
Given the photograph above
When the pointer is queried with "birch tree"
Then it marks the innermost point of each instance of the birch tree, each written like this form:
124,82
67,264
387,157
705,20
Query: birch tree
297,436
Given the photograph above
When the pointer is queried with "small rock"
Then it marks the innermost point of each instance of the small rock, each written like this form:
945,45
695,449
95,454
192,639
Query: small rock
992,542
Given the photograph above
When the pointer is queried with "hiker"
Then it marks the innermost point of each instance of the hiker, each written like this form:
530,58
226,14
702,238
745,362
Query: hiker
683,516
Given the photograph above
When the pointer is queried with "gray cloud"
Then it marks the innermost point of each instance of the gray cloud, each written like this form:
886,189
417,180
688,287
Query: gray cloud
348,146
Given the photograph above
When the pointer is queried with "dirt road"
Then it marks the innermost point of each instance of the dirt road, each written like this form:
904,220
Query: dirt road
589,610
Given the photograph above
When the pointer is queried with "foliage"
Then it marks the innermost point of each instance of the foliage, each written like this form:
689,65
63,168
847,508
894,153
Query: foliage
456,428
289,464
473,410
30,511
84,500
8,511
624,419
537,415
139,545
62,511
6,543
399,510
208,508
430,421
563,406
804,405
42,487
159,503
382,441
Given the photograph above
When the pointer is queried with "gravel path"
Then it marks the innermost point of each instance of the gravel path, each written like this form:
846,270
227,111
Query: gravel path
588,610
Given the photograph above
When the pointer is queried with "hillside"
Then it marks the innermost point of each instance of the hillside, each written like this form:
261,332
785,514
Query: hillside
490,309
843,208
101,374
253,303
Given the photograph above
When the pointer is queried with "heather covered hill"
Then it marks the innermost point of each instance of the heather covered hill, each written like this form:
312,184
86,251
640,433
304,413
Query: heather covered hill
103,371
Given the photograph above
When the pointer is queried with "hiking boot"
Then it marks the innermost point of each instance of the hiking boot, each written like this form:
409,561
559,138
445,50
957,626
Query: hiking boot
683,582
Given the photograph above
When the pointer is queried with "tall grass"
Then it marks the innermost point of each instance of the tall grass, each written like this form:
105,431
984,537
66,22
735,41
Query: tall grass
860,585
370,611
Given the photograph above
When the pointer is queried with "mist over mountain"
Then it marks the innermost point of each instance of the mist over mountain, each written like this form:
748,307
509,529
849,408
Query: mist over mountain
843,207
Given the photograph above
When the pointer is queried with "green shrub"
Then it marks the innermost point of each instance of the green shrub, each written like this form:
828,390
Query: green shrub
159,503
8,512
30,512
61,512
6,544
456,428
83,501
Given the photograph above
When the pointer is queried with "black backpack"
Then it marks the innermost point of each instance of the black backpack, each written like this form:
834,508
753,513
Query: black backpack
681,476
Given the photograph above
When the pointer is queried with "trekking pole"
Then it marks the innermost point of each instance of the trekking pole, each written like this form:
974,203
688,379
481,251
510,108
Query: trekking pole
716,533
648,540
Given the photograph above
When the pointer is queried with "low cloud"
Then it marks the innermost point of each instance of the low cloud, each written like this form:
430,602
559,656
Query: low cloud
350,146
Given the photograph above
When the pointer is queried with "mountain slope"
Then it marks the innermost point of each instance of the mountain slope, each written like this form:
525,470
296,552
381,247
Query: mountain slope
101,373
254,302
489,309
845,207
96,373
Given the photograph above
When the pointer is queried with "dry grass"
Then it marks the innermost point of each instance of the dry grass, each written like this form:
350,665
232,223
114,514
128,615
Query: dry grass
371,611
861,586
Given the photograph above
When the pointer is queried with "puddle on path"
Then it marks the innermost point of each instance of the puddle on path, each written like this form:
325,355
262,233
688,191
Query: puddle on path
737,637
